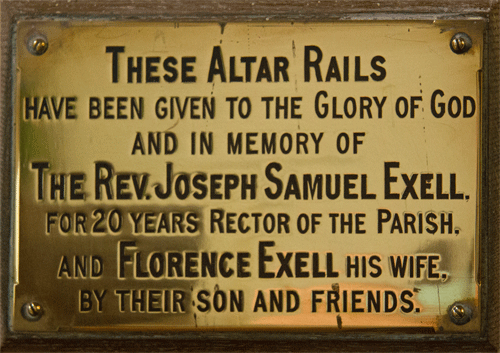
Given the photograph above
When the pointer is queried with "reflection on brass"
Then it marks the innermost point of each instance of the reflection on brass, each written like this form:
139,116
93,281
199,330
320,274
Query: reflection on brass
460,43
460,313
32,311
193,176
37,44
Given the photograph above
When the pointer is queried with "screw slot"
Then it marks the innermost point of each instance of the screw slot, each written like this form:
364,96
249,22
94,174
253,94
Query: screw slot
460,314
460,43
32,311
37,44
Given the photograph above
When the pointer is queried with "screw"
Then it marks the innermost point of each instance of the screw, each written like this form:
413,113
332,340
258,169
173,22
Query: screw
32,311
460,313
460,43
37,44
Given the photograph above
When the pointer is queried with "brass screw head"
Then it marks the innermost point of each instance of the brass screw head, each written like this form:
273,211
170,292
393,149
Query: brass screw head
37,45
460,43
460,314
458,311
32,311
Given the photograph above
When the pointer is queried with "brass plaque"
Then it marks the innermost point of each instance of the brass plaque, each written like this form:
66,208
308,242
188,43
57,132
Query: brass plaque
194,176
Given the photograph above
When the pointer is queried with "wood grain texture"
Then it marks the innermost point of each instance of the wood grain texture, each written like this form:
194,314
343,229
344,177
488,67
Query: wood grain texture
493,173
248,10
242,8
231,345
5,163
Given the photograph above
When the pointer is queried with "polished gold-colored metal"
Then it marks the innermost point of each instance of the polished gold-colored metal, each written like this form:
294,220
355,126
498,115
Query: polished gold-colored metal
37,45
375,162
460,314
32,311
460,43
458,311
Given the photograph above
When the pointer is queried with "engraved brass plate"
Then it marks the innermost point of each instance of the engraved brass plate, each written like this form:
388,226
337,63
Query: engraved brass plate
246,176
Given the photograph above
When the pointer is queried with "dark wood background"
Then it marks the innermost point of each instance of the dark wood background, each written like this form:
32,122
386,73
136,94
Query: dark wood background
258,10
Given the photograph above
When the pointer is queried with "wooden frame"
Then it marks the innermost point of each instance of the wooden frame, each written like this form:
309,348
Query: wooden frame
249,10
